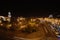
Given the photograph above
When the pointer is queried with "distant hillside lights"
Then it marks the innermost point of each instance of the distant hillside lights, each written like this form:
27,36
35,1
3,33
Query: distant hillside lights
6,18
33,20
20,19
3,18
22,22
0,21
48,19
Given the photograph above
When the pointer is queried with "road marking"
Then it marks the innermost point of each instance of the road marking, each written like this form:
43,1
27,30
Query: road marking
45,30
20,38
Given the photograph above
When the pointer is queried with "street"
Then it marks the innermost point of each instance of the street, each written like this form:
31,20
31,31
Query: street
43,33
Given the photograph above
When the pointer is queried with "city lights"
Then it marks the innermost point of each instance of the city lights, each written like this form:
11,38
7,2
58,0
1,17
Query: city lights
8,26
0,21
3,18
1,24
8,19
33,19
21,18
32,23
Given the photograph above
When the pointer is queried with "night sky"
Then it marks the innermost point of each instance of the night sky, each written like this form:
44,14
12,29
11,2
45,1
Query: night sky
29,8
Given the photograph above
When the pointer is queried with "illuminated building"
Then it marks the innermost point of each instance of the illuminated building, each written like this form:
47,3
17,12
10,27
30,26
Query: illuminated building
9,14
4,19
51,16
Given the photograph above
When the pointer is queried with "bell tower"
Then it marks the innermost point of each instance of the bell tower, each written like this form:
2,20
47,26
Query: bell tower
9,17
9,14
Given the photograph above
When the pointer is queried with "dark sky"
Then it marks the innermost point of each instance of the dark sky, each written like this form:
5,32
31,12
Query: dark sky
29,8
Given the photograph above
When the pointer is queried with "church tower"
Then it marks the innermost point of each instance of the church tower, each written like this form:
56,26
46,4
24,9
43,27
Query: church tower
9,17
9,14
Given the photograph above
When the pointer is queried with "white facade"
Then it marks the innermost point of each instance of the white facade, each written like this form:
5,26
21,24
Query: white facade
9,14
51,16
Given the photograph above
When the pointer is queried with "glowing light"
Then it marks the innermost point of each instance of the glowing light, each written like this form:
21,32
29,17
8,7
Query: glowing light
56,32
9,14
17,20
21,18
8,19
50,16
1,24
33,19
40,19
3,18
46,19
0,21
8,26
32,23
53,22
23,26
56,21
20,22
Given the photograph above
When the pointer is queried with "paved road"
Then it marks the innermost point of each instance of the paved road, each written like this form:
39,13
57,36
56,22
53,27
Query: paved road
44,33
